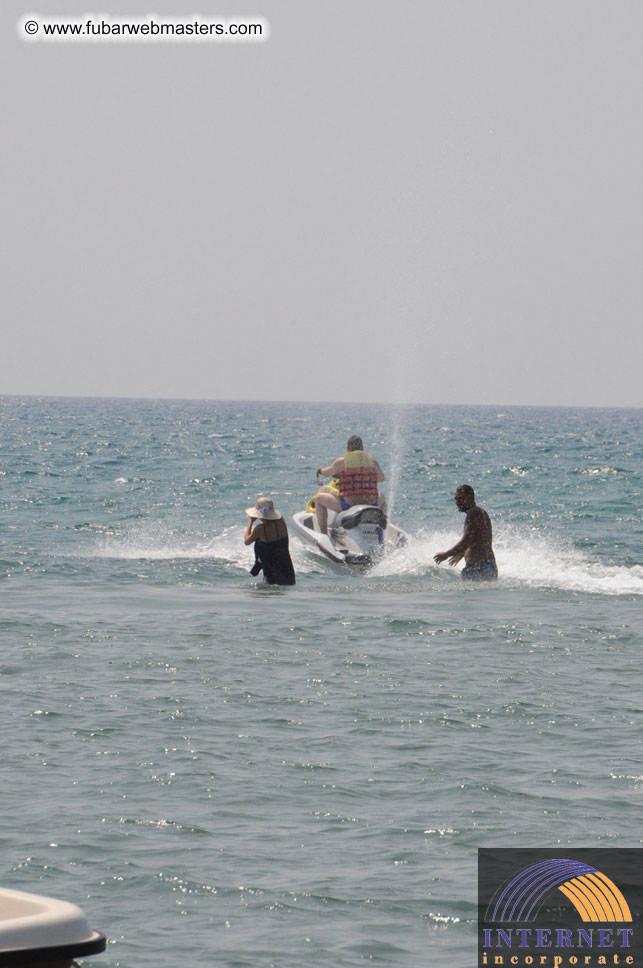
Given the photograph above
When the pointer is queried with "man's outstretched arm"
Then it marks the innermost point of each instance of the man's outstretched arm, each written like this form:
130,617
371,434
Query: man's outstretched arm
456,553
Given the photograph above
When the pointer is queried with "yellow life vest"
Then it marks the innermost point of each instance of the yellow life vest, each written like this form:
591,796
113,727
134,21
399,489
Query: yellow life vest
359,476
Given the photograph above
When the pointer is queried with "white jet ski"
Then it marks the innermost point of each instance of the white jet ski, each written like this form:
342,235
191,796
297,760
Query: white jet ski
358,537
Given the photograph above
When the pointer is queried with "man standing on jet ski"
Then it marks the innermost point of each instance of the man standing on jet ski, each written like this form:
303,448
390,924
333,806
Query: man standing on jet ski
359,474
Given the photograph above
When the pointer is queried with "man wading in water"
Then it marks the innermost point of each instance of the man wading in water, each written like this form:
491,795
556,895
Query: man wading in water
475,544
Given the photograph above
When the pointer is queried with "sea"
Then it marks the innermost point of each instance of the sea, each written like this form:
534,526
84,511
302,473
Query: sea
221,773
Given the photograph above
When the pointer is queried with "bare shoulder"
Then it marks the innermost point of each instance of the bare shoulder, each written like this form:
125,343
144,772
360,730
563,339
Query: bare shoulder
476,515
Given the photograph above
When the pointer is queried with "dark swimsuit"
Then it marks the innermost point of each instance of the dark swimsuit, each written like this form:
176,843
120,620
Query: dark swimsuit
346,506
481,570
274,559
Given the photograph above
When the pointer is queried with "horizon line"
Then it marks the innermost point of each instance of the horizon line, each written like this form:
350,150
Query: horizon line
343,403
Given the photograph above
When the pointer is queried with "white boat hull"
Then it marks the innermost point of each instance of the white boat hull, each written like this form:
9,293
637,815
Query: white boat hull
37,930
357,538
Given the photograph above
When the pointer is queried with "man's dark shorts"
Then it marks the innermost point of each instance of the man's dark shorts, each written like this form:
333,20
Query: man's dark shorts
345,505
480,571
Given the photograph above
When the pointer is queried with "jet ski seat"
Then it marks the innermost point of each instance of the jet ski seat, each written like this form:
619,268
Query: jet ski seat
361,515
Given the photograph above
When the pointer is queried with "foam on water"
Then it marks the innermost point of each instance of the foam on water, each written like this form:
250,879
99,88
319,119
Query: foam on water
156,543
532,559
525,558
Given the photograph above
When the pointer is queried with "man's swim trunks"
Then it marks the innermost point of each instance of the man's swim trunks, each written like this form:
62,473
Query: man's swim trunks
480,571
346,506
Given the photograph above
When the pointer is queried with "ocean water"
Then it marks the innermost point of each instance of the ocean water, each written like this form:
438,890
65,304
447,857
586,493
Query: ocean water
224,774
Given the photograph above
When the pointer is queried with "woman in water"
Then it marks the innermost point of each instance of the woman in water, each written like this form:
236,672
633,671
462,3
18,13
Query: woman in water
267,529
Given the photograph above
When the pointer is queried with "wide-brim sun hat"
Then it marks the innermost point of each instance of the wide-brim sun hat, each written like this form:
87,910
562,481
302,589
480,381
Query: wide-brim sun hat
264,509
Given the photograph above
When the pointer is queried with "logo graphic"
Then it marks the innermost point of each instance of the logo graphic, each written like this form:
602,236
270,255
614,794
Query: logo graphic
538,907
595,896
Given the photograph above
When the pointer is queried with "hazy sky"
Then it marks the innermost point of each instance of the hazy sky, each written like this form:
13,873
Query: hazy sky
430,201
